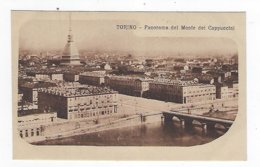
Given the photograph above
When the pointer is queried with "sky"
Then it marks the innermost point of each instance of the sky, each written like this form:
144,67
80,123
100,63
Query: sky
103,36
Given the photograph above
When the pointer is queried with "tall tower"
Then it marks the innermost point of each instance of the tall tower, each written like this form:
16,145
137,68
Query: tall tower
70,53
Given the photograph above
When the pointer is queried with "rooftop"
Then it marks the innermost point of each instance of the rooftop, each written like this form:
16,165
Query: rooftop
118,77
80,90
177,82
93,74
47,72
38,84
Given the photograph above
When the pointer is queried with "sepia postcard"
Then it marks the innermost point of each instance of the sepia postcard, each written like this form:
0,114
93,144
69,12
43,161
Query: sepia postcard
129,85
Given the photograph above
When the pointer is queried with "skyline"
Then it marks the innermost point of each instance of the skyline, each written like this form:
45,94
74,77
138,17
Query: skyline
103,36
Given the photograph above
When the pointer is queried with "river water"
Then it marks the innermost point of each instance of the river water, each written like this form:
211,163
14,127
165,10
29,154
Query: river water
149,134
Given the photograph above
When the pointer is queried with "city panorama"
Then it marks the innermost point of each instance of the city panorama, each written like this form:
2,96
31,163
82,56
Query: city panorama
87,83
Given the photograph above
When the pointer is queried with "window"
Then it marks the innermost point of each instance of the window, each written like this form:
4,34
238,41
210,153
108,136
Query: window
32,132
21,133
26,133
37,132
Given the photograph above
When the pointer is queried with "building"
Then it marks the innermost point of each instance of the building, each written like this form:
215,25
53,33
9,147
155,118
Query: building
128,85
197,70
30,126
221,75
227,91
206,79
222,92
46,75
92,78
71,77
26,108
20,97
30,91
149,62
77,102
70,55
25,78
181,91
106,66
235,90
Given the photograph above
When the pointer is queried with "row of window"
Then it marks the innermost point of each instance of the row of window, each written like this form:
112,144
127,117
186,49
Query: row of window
189,100
98,97
165,90
202,95
30,133
92,114
198,91
37,120
90,102
80,109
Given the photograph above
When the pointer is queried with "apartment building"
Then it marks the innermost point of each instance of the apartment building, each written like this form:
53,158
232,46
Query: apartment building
77,102
181,91
128,85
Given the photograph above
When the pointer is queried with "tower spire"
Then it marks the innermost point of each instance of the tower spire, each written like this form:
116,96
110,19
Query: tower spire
70,53
70,39
69,22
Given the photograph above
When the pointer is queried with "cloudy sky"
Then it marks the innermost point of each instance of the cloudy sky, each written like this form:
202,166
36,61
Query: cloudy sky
103,35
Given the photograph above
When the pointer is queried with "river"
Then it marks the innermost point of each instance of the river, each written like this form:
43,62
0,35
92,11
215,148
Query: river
149,134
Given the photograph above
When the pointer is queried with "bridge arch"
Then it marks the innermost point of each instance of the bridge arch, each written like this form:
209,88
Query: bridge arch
189,119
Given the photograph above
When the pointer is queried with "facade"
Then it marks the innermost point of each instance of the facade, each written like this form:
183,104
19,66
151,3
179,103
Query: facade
78,102
222,92
92,78
40,76
30,90
20,97
227,92
24,107
71,77
235,90
128,85
57,76
33,125
181,91
30,93
46,75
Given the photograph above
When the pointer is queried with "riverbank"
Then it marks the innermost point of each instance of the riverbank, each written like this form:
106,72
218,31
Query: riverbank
146,134
107,125
131,109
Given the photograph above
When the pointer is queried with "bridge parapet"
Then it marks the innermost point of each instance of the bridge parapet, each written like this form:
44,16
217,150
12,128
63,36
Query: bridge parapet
187,120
